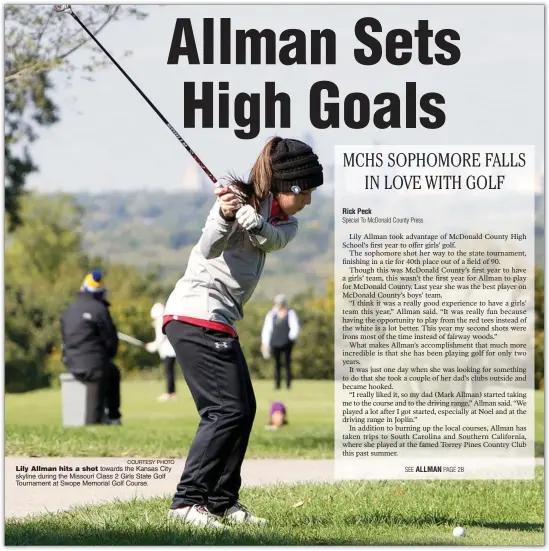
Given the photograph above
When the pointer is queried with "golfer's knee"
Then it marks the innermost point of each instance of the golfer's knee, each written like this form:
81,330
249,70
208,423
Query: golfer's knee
239,415
228,415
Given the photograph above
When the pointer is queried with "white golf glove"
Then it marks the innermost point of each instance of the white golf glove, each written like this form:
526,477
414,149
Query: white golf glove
249,219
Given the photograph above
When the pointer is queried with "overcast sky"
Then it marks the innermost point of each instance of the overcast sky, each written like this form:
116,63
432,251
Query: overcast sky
109,138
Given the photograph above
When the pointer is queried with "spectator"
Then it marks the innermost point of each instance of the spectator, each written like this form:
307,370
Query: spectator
280,330
165,350
277,416
90,343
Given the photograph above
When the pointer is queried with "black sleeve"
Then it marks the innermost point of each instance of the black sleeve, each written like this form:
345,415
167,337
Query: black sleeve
107,330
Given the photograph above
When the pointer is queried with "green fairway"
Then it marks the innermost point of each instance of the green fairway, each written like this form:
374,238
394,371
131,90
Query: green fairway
154,429
354,513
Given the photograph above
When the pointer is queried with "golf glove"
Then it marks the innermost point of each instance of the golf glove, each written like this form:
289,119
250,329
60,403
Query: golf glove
239,194
249,219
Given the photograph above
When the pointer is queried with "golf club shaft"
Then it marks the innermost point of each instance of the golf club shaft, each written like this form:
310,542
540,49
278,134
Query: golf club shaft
151,104
131,340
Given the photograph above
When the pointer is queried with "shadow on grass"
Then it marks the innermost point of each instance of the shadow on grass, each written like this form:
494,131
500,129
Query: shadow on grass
154,536
151,537
46,533
158,537
443,520
521,526
539,448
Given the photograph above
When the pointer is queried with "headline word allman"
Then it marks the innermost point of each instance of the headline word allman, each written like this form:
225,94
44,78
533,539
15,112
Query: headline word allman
327,107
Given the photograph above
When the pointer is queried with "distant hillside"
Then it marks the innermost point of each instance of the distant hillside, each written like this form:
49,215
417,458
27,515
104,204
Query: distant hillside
151,230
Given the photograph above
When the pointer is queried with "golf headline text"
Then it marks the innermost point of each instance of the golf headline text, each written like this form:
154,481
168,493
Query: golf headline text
327,108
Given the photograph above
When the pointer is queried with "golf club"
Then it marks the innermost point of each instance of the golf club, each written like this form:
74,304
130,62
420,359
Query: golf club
63,8
131,340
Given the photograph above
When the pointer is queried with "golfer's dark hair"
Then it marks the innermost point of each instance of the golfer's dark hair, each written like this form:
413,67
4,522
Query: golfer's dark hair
259,184
262,171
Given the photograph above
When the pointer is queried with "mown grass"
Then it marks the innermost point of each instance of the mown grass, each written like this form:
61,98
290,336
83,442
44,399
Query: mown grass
351,513
153,429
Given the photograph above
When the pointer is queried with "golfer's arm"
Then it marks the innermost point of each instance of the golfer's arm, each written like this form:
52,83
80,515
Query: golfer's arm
273,238
215,234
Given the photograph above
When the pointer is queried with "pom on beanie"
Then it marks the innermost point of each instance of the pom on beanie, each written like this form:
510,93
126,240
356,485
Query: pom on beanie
93,282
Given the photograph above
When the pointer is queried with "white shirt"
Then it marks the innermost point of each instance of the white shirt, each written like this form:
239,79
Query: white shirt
161,344
293,323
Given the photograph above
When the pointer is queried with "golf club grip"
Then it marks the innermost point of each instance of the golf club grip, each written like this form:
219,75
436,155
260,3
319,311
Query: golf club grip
151,104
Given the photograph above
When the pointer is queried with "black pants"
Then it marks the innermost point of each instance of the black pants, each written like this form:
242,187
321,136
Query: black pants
216,372
283,356
169,373
108,396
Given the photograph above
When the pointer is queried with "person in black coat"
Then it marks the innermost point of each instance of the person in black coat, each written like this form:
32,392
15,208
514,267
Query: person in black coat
90,344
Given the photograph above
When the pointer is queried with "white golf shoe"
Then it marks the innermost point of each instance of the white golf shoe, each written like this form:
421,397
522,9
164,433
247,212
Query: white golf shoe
197,515
238,514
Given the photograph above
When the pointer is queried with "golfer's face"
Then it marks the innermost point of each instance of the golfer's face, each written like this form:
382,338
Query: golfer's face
291,203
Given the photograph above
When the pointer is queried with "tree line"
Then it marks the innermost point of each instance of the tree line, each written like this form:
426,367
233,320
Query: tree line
45,263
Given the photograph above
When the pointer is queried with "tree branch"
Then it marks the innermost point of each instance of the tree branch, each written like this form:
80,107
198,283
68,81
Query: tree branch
107,20
42,31
42,66
35,68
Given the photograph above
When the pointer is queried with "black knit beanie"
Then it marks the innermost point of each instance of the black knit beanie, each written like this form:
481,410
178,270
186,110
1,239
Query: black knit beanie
295,167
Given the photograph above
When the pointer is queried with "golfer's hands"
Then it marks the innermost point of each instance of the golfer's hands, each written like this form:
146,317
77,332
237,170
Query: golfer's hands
265,352
149,347
249,219
228,201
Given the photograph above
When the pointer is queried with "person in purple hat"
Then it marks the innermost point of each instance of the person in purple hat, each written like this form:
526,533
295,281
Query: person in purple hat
277,416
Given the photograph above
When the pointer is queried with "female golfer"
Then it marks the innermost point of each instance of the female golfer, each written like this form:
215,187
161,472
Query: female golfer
222,273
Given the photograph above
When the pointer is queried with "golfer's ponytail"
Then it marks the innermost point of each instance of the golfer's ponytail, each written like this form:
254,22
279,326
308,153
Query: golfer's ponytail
259,185
262,172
